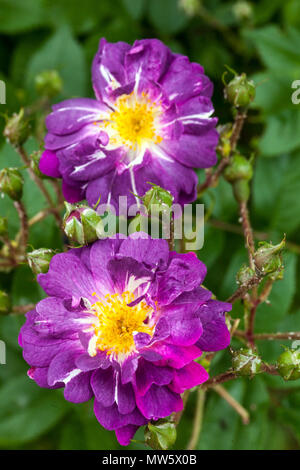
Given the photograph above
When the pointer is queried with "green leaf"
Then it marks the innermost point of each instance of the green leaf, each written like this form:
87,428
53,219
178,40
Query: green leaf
64,54
267,182
279,51
25,289
221,421
19,16
287,208
282,133
166,16
27,412
135,8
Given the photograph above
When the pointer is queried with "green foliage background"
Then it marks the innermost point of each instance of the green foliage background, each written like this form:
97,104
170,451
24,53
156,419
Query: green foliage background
64,35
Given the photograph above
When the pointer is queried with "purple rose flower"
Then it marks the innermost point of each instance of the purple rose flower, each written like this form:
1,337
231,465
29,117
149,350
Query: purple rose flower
123,322
150,123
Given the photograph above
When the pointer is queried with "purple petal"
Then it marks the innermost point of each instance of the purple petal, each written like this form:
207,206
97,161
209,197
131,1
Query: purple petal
71,115
147,59
125,434
158,402
215,335
176,356
86,363
78,389
111,419
125,398
67,277
145,250
185,326
185,273
62,367
71,193
103,383
40,375
190,376
149,374
108,67
49,164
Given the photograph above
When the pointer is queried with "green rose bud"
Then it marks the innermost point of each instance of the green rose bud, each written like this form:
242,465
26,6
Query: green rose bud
39,260
239,168
48,83
268,258
3,226
243,10
159,197
240,91
244,275
246,362
160,435
288,364
82,224
5,305
241,190
190,7
11,183
17,129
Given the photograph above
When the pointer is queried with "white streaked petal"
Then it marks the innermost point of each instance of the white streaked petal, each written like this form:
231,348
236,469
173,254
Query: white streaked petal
70,376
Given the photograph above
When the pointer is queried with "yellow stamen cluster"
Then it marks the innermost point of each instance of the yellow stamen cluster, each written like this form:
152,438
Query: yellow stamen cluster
134,120
117,323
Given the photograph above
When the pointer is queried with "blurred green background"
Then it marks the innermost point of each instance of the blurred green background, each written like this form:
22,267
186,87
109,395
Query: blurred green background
260,38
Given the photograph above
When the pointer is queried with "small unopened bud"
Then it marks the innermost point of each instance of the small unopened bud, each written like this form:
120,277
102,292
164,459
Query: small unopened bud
268,257
246,362
5,305
240,91
288,364
190,7
244,275
238,173
48,83
239,168
3,226
11,183
161,435
17,129
34,164
159,197
39,260
243,10
82,224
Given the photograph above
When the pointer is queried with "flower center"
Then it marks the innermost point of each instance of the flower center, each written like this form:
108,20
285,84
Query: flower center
135,120
117,323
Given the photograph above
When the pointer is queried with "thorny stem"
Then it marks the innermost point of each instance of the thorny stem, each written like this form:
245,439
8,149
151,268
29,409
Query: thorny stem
248,233
242,290
197,426
219,379
177,416
270,336
24,231
38,181
212,178
233,403
232,228
43,214
250,331
21,309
